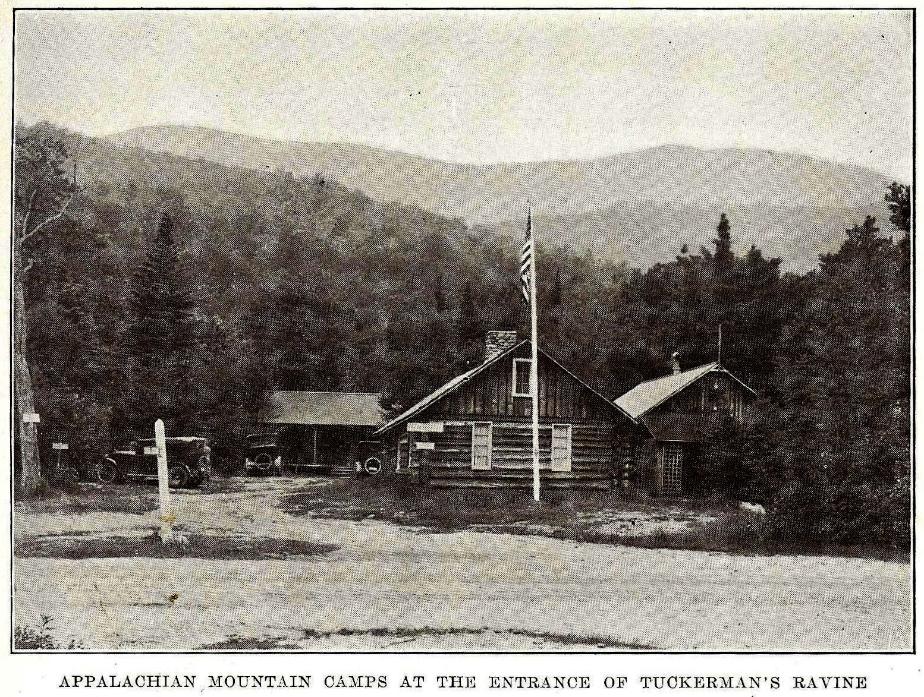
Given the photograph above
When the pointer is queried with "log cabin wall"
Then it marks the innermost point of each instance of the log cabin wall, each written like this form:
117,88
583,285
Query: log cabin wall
491,394
689,415
686,420
603,441
593,459
715,393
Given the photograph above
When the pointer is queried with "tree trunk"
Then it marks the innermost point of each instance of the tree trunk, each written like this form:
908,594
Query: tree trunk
30,470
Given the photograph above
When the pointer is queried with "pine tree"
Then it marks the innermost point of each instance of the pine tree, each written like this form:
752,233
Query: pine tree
723,256
898,198
844,393
470,330
161,337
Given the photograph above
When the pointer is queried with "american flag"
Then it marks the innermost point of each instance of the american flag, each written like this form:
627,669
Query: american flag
526,258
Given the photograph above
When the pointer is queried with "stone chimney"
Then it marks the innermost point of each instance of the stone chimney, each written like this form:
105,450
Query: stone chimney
675,362
495,343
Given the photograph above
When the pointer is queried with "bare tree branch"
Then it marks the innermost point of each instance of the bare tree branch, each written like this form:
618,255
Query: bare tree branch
25,221
49,220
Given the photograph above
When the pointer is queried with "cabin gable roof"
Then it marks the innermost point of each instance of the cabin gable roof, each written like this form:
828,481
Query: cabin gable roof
645,396
457,382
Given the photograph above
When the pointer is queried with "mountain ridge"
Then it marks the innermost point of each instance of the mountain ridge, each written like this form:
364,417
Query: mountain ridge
130,133
593,204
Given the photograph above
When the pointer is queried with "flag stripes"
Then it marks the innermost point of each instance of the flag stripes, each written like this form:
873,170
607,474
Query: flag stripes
526,258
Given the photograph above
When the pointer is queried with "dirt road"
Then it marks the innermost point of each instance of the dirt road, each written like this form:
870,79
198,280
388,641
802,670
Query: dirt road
394,588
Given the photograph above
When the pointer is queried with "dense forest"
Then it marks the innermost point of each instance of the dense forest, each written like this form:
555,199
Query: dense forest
182,290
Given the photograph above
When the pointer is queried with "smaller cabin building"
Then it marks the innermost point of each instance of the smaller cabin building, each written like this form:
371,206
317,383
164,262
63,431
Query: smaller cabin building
680,411
476,430
321,431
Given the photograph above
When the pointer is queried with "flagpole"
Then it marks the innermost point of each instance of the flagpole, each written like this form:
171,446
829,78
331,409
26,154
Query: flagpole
534,364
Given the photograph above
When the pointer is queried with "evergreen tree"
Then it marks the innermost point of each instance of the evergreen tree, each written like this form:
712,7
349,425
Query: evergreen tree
843,394
898,198
723,256
161,337
470,329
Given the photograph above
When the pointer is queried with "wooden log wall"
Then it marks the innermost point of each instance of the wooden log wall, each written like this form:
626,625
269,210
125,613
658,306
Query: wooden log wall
715,392
604,442
593,456
561,397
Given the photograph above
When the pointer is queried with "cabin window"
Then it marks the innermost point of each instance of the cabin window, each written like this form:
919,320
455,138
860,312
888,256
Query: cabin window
521,368
561,447
481,446
402,443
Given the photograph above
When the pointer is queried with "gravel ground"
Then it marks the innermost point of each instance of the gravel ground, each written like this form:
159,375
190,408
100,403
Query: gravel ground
392,588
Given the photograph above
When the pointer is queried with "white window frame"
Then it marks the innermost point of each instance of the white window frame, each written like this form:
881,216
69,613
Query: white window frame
564,466
490,426
513,383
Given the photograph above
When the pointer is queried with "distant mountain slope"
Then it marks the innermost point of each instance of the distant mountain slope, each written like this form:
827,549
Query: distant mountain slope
639,207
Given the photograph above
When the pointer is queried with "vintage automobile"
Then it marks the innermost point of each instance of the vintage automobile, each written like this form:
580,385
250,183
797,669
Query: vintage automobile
264,454
370,458
189,462
297,450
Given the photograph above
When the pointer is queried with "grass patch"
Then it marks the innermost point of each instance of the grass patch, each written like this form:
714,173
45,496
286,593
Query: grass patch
130,497
92,498
602,517
748,535
410,633
239,643
194,547
40,638
448,510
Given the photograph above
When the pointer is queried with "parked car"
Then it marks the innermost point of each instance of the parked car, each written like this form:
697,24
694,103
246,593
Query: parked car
299,450
189,462
370,458
263,454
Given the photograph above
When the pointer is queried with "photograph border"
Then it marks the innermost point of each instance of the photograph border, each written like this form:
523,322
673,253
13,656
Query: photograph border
458,8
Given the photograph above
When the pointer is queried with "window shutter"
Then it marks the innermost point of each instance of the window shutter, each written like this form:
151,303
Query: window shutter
561,448
481,446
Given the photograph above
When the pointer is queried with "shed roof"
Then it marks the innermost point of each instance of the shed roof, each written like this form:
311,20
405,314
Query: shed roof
323,408
459,380
647,395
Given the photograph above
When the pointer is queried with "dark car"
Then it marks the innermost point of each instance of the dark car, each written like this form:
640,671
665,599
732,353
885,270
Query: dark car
370,458
295,451
264,454
189,462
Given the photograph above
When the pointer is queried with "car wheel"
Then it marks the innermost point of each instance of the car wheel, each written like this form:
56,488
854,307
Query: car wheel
204,470
177,477
107,471
263,462
372,465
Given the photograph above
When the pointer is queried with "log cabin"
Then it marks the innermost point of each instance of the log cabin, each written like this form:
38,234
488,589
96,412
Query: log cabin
680,410
476,430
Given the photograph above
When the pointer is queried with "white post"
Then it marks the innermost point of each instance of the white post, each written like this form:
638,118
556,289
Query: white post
166,518
534,366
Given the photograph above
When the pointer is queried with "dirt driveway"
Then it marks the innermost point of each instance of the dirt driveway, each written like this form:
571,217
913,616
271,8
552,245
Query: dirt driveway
395,588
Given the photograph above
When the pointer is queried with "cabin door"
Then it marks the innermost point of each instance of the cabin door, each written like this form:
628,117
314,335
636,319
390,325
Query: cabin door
671,456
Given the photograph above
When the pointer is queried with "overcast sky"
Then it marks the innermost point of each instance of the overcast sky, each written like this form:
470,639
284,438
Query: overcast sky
485,86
